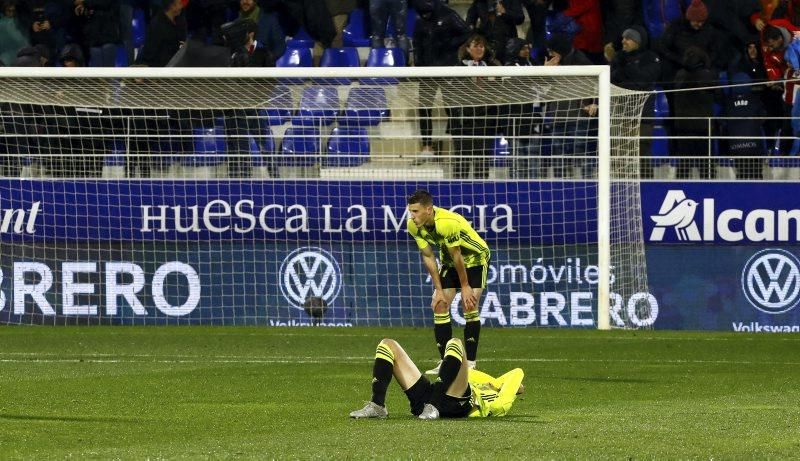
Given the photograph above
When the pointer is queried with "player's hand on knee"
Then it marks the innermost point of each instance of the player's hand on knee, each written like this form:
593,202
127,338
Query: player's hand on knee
468,298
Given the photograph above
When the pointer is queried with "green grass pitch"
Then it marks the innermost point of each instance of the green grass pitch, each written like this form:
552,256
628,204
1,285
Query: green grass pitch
260,393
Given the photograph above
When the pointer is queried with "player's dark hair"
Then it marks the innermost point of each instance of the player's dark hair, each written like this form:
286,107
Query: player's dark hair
422,197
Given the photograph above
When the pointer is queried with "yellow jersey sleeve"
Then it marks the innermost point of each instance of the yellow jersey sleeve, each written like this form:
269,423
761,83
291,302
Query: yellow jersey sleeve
494,396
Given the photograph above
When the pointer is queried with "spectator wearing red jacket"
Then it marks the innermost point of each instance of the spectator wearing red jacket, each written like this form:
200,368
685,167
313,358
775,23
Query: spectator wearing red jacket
589,39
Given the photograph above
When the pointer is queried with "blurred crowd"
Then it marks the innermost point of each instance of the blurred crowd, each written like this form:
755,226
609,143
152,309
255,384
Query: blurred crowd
691,45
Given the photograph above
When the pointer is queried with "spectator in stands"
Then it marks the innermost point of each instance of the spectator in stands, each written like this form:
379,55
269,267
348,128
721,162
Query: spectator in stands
71,56
694,109
12,32
589,38
204,19
269,35
258,55
28,57
382,11
497,20
126,28
573,120
744,118
751,63
100,20
48,22
776,42
692,31
537,13
732,17
165,35
522,122
314,16
479,120
438,35
619,15
638,68
781,13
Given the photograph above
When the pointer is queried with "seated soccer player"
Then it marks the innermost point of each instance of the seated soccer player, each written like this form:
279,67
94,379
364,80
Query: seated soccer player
458,392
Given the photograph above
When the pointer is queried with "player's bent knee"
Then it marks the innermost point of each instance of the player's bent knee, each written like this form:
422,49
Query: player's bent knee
389,342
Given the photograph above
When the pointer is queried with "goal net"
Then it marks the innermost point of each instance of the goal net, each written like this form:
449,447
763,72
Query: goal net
278,196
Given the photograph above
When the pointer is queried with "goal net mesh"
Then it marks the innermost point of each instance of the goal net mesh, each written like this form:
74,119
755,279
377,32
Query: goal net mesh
282,200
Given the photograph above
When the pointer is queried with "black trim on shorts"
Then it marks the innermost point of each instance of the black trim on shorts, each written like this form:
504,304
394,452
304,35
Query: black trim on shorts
476,276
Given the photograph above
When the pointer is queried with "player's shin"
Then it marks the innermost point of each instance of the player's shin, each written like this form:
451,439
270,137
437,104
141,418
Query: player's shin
472,333
382,373
442,330
451,363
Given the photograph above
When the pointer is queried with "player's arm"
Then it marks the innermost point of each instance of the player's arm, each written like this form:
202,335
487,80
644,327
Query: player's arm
429,261
467,296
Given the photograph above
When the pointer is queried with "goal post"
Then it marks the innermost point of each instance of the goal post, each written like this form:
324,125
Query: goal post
216,195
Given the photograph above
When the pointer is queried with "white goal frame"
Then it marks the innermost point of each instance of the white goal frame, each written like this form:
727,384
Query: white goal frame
602,73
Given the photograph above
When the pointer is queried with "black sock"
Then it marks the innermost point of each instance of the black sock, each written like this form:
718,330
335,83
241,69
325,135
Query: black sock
442,331
472,332
382,373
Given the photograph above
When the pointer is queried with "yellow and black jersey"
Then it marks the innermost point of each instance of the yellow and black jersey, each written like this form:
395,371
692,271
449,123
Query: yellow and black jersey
493,396
449,230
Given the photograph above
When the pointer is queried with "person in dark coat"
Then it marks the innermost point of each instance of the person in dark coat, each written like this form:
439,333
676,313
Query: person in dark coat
744,118
474,153
694,109
574,120
100,29
438,35
522,123
165,35
637,68
693,30
497,20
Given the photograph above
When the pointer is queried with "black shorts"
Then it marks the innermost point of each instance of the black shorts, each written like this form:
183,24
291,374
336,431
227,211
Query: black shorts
476,276
449,407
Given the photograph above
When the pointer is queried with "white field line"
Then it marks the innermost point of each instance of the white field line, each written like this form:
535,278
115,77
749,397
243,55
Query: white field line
31,357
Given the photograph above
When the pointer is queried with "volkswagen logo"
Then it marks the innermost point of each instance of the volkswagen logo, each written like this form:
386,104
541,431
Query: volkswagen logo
771,281
310,272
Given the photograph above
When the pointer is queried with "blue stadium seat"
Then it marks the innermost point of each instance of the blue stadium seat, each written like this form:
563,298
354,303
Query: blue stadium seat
121,59
384,57
661,105
300,147
138,27
366,106
209,147
294,57
501,152
347,147
300,40
357,31
338,57
318,106
660,145
279,107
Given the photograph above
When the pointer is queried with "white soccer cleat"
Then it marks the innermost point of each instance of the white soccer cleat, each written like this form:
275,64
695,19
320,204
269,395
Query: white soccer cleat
370,410
435,370
429,412
471,364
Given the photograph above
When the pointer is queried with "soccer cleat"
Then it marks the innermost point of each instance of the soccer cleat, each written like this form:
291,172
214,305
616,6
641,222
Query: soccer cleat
471,364
370,410
434,370
429,412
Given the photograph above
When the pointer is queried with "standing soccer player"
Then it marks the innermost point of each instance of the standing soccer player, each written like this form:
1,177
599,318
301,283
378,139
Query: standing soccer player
464,257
